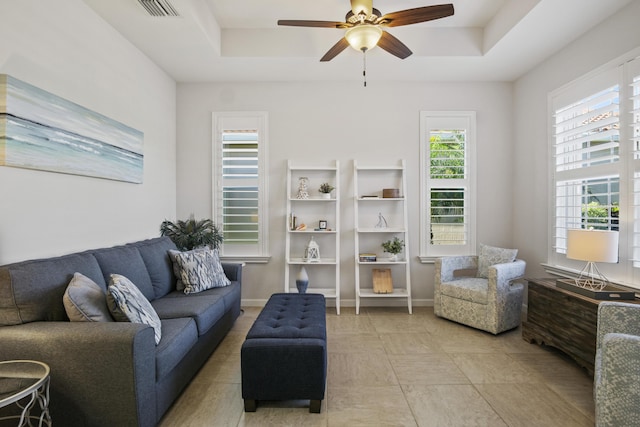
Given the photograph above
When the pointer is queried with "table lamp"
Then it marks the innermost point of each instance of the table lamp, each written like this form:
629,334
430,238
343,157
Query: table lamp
592,246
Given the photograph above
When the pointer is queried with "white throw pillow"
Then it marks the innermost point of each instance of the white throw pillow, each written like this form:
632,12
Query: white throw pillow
200,270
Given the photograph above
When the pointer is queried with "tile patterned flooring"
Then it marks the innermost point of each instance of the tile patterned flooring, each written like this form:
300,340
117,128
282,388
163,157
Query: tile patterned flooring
389,368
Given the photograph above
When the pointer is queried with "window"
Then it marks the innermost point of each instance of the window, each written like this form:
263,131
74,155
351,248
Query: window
595,163
240,184
447,177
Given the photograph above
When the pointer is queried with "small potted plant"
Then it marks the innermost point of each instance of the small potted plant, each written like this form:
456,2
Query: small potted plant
192,233
326,189
394,247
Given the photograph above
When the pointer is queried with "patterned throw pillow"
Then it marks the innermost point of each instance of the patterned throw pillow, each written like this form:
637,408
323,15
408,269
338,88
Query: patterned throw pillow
491,256
176,267
128,304
85,301
200,270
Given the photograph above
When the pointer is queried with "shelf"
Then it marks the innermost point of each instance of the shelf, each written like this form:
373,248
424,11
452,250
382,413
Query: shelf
312,232
397,293
371,181
301,261
327,292
381,262
313,199
325,278
381,230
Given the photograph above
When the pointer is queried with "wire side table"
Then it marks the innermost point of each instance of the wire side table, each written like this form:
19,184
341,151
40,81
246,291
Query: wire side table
25,383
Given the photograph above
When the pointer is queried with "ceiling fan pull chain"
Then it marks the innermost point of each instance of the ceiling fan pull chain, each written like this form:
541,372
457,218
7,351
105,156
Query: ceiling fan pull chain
364,66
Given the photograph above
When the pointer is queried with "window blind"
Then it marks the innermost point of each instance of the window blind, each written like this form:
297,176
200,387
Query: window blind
240,186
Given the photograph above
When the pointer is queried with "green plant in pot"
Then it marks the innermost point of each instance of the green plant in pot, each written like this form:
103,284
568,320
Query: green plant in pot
394,247
326,189
192,233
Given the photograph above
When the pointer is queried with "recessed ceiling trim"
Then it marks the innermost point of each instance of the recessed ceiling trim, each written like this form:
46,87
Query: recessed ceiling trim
159,7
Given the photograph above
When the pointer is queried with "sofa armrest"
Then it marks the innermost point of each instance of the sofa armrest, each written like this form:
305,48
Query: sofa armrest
617,395
233,271
620,317
102,373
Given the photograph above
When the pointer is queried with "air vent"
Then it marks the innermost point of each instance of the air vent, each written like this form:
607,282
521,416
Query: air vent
159,7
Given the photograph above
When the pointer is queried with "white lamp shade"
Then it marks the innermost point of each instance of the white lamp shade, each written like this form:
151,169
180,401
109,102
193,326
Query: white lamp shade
592,245
363,37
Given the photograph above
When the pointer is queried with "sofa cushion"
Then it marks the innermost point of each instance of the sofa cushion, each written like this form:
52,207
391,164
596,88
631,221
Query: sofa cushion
205,310
490,255
85,301
200,270
32,291
155,255
472,289
230,294
178,338
127,304
126,261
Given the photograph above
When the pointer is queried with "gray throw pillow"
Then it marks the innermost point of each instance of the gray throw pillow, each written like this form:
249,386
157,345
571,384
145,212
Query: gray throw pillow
85,301
128,304
176,267
200,270
490,255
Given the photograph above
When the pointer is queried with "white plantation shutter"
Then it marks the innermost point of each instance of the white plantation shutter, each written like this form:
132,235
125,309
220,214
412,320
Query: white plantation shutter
240,200
447,183
596,165
586,152
634,141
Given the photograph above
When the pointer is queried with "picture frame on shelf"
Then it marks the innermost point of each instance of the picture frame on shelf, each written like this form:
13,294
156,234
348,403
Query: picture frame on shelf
322,224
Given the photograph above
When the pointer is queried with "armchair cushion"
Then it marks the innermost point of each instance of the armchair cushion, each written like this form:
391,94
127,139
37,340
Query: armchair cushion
490,255
472,289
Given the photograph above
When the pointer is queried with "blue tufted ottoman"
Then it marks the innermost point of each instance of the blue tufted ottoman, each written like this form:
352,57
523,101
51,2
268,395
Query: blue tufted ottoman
284,356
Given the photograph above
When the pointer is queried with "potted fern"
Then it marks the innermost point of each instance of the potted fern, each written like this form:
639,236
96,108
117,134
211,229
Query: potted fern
192,233
394,247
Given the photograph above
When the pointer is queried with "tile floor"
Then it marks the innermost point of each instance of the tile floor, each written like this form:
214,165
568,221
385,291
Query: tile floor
389,368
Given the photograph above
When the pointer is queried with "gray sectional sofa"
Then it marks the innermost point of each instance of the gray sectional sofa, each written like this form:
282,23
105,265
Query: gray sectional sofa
112,373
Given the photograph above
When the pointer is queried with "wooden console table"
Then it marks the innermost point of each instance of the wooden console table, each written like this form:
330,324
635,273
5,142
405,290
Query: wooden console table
562,319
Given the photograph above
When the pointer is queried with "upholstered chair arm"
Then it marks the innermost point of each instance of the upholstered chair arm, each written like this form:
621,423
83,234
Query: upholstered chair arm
620,317
617,394
501,275
447,266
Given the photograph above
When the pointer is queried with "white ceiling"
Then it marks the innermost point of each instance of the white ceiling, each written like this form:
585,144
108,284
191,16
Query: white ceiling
239,40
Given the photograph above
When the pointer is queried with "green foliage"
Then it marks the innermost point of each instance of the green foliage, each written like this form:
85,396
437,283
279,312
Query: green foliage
192,233
325,187
394,246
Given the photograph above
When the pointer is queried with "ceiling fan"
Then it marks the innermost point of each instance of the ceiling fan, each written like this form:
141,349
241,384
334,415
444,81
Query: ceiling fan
363,24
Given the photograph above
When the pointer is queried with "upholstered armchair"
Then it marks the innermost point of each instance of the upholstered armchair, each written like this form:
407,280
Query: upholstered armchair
616,379
490,300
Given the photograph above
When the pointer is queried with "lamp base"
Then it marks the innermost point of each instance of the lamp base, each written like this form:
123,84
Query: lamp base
591,278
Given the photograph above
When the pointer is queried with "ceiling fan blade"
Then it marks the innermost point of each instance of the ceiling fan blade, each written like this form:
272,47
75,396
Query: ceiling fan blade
394,46
414,16
320,24
335,50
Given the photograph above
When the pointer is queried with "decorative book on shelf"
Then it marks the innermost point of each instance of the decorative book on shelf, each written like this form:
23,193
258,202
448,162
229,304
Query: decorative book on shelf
368,258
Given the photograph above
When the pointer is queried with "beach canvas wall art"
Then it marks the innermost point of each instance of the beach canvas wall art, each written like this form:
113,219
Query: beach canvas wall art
39,130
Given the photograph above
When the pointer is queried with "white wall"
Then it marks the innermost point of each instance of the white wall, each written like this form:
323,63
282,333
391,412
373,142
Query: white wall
614,37
63,47
323,121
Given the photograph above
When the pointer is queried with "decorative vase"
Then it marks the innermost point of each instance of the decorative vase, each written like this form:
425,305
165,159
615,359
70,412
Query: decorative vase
393,257
303,185
326,195
302,280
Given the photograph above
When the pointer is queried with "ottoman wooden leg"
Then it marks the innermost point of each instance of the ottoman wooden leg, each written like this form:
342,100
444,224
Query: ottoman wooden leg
250,405
314,406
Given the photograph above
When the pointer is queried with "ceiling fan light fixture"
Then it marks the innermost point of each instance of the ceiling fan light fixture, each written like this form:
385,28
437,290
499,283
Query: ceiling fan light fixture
363,37
361,7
